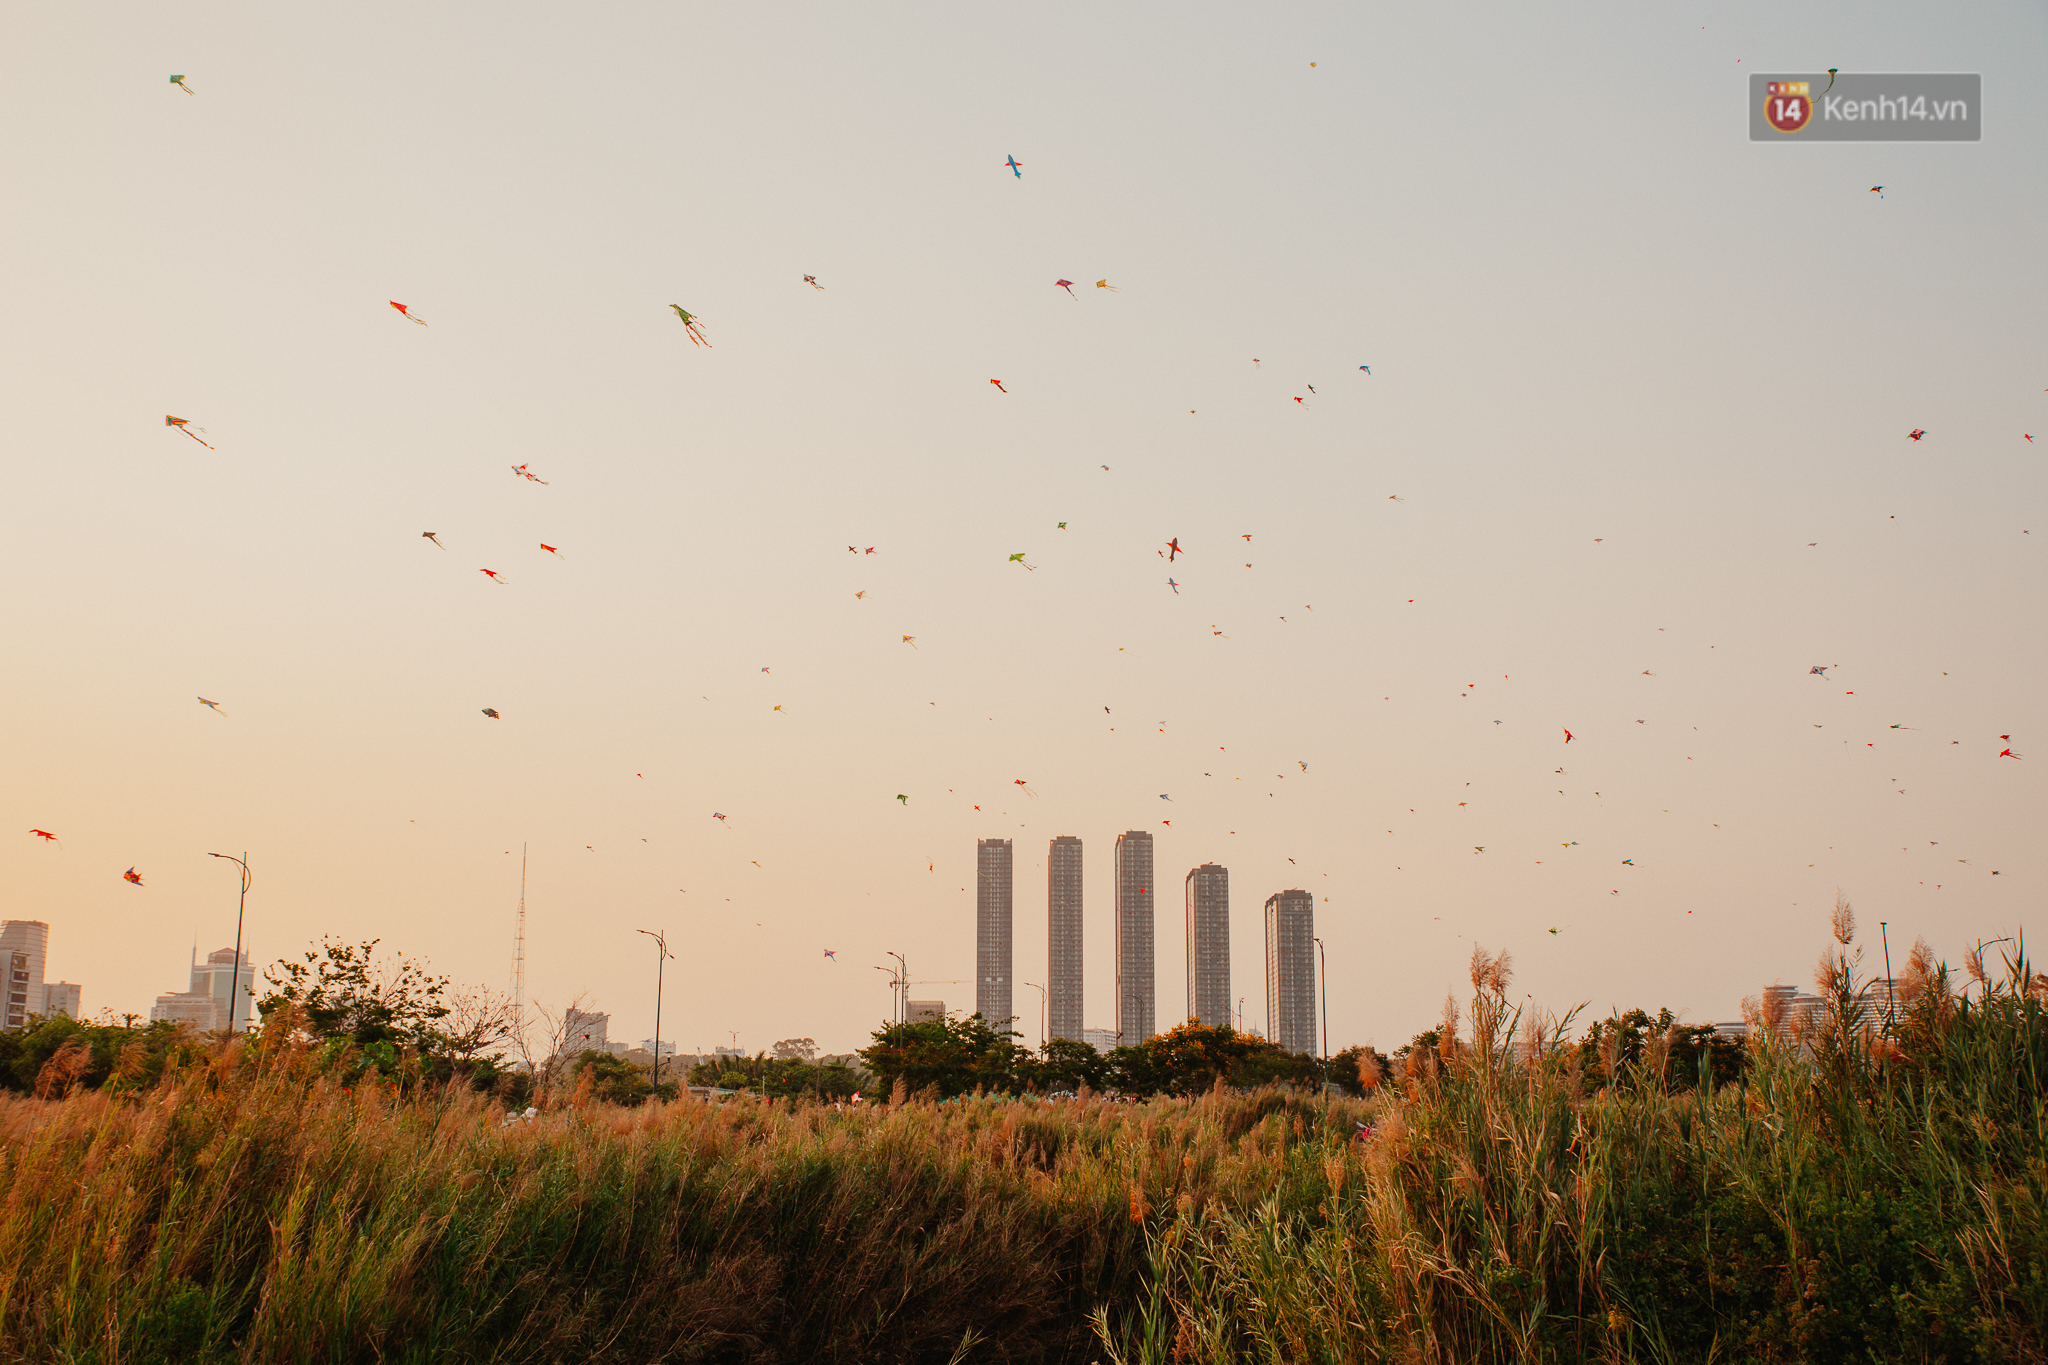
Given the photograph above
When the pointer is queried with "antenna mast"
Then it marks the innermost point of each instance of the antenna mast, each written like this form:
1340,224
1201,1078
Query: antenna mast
519,960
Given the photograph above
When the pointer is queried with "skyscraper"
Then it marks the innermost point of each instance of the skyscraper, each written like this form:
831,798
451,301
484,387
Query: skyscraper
1063,938
1136,999
1208,901
992,932
1291,970
24,948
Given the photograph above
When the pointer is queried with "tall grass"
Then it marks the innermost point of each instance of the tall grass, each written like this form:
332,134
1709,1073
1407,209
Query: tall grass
248,1209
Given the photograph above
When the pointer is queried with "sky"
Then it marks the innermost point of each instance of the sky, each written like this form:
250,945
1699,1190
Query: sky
1630,461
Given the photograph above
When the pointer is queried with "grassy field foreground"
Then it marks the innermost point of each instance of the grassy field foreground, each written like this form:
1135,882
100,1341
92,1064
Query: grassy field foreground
1861,1196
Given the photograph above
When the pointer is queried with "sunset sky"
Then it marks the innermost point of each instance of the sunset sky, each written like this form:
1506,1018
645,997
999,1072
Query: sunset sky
1630,461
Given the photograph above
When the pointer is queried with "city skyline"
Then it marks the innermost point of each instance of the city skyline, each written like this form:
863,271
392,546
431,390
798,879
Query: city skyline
1557,465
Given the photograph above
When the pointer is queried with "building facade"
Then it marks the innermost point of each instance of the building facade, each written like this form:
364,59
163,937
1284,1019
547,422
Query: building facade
24,950
585,1031
1103,1040
1291,970
1063,982
1208,905
231,987
992,924
924,1011
1136,996
61,997
200,1011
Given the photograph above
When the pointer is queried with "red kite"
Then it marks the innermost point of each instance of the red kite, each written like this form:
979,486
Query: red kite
131,875
47,837
1067,285
408,316
492,574
999,384
1915,434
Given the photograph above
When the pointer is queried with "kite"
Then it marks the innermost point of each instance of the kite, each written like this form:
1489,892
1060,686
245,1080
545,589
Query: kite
1014,166
1567,736
1175,586
999,384
491,574
132,876
1915,434
179,81
523,472
1105,284
1067,285
47,837
1831,78
690,324
870,550
434,536
1173,548
1368,370
1255,362
1018,558
181,424
862,593
719,816
1063,525
764,670
2007,753
1304,766
492,713
1164,797
1311,388
551,549
812,281
403,313
1299,399
829,953
1027,791
1103,468
903,798
1628,862
214,704
1821,669
1247,537
1877,190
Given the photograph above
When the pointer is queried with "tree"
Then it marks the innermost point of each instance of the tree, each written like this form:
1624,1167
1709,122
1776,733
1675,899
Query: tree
953,1056
1068,1064
795,1049
614,1080
343,991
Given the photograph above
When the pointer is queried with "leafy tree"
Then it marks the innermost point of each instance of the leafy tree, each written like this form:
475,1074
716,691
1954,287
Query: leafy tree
614,1080
1068,1064
1617,1051
97,1055
953,1056
343,992
1191,1057
1349,1068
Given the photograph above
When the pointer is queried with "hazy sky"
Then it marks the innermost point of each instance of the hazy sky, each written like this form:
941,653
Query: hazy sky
1632,458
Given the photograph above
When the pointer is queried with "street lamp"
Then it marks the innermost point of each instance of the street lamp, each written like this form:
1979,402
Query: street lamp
1041,1010
903,978
1325,965
235,976
892,990
661,946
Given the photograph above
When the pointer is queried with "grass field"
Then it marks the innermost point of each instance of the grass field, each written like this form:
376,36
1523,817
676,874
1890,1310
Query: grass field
1857,1198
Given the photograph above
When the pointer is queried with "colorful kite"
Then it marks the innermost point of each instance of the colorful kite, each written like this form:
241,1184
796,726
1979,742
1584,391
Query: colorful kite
999,384
2007,753
690,324
1067,285
1018,558
1105,284
1915,434
1015,167
1027,791
1063,525
829,953
47,837
434,536
1567,736
900,796
491,574
523,472
1821,669
179,81
492,713
1877,190
910,640
1175,586
402,310
551,550
812,281
181,424
214,704
1368,370
1173,548
131,875
719,816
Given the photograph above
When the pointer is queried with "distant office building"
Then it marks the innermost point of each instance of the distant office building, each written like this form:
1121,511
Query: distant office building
585,1031
646,1045
199,1010
1136,999
992,924
214,987
1103,1040
60,997
922,1011
1208,903
728,1052
1788,1007
1063,938
1291,970
24,949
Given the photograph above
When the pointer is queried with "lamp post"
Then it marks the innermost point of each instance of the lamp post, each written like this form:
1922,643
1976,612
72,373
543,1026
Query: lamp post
1891,986
660,962
235,976
892,991
1324,963
1041,1011
903,979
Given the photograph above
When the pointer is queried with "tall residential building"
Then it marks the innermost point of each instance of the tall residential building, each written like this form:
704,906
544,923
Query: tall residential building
1063,938
1208,900
24,948
1103,1040
992,922
1291,970
1136,999
585,1031
61,997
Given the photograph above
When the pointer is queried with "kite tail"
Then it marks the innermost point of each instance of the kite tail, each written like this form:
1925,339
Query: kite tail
188,431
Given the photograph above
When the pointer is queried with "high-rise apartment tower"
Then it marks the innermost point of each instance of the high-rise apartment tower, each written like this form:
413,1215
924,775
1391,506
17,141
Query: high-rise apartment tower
1136,999
1291,970
992,924
1208,901
1063,938
24,949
